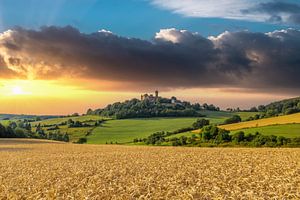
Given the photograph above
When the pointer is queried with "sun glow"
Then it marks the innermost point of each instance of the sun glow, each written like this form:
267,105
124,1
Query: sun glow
17,90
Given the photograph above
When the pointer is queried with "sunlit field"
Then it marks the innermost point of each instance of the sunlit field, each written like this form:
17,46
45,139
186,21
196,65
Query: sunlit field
285,130
124,131
286,119
35,170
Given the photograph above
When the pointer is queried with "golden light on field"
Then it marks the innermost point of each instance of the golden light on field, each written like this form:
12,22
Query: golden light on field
69,171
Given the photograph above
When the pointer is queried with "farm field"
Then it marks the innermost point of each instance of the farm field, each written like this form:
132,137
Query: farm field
246,115
74,132
70,171
123,131
186,134
286,119
286,130
64,119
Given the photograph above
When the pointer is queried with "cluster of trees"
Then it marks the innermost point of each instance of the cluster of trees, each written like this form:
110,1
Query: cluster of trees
160,137
23,129
211,135
162,107
9,132
215,135
284,107
200,123
76,124
56,135
19,129
255,117
233,119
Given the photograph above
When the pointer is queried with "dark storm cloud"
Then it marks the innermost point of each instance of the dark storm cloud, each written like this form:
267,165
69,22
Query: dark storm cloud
172,59
279,11
5,72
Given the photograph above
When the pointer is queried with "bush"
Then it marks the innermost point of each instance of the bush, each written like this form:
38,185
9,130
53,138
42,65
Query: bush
200,123
81,141
238,137
233,119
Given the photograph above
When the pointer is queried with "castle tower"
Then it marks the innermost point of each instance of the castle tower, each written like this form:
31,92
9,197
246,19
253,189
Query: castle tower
156,94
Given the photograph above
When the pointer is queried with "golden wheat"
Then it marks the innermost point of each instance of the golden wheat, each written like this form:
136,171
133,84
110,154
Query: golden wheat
69,171
286,119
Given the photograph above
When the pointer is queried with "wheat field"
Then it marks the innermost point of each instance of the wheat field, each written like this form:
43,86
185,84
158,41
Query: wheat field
37,170
286,119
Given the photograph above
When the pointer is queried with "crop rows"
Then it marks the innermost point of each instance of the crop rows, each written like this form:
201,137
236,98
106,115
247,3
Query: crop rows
68,171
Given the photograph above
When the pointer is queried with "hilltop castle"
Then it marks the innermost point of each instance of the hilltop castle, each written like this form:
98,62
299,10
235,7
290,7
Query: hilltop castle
150,97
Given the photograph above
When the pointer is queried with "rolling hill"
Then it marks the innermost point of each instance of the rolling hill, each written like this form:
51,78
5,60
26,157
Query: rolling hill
285,130
286,119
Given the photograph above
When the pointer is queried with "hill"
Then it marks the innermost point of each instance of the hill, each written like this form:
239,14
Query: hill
19,117
283,107
286,119
153,106
285,130
126,130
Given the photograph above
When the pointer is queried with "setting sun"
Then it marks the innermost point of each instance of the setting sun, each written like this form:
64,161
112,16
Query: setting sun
17,90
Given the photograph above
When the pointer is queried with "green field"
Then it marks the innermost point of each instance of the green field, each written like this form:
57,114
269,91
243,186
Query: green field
246,115
186,134
123,131
64,119
286,130
285,119
126,130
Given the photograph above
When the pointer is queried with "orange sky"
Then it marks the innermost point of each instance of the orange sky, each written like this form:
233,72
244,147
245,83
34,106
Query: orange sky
56,97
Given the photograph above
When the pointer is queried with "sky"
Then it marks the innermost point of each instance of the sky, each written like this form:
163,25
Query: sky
65,56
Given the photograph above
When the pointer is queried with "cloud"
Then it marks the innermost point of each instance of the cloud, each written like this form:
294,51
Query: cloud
274,11
173,59
5,72
278,11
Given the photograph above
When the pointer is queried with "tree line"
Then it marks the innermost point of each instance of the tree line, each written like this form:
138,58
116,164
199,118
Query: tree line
211,135
162,107
284,107
23,129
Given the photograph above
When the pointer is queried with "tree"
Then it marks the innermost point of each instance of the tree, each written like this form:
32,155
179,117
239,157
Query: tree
2,131
66,137
13,125
183,140
253,109
233,119
200,123
238,137
261,108
222,136
70,121
82,141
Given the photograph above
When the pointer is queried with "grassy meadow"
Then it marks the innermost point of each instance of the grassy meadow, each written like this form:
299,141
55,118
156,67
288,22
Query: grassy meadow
71,171
285,130
124,131
84,118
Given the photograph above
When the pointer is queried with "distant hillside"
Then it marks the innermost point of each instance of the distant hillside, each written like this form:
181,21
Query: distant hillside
152,106
17,117
284,107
